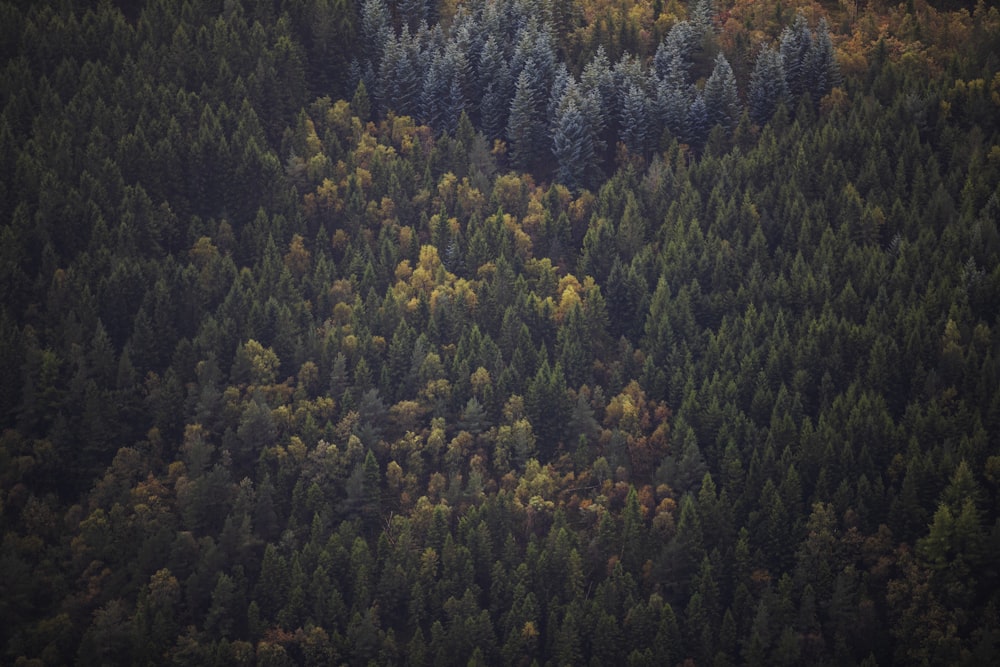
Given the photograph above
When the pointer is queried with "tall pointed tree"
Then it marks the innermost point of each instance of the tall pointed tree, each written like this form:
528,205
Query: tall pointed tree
721,96
768,85
525,127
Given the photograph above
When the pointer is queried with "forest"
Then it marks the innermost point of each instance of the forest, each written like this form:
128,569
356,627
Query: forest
499,332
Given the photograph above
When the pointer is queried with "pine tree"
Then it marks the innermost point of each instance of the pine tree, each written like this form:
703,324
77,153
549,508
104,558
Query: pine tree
597,82
494,82
413,12
721,96
525,128
701,15
572,145
768,86
400,81
795,46
493,109
672,105
375,32
435,95
635,120
672,61
697,122
822,73
560,84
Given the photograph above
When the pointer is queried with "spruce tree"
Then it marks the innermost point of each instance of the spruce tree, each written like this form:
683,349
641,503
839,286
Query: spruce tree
635,120
796,44
525,129
768,86
721,96
572,144
822,73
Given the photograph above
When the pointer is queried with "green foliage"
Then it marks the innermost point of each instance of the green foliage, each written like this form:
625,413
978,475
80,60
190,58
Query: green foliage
301,380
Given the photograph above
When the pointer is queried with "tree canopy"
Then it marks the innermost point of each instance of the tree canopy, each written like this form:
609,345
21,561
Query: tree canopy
499,332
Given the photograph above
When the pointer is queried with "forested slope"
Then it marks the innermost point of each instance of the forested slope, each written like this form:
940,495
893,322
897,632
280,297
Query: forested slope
499,332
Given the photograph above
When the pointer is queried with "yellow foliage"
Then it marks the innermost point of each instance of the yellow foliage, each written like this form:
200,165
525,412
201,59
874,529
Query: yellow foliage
298,258
469,199
339,116
569,298
203,251
403,271
340,239
480,380
536,481
406,236
580,209
446,190
387,211
342,313
533,221
313,145
402,132
429,259
511,191
297,449
364,178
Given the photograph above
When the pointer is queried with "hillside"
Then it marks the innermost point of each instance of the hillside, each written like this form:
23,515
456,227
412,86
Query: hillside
444,332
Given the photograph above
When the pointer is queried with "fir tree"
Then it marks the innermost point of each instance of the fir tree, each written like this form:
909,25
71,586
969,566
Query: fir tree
768,86
821,70
635,125
572,144
721,96
795,47
525,128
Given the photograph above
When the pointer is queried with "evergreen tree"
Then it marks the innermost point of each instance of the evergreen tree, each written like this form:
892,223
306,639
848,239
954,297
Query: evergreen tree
721,96
525,127
494,81
768,86
376,33
795,46
821,71
573,142
697,122
634,122
672,61
597,83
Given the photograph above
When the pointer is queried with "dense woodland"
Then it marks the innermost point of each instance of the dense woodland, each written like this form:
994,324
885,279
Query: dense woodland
419,332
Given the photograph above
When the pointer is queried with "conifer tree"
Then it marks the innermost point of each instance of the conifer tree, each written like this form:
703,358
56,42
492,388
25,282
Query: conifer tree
572,144
697,122
768,86
795,47
525,128
821,70
376,32
721,96
635,117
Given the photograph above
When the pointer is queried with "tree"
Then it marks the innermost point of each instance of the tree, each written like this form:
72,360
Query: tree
525,129
768,85
721,96
672,61
376,32
400,79
272,587
573,142
821,71
795,47
635,120
494,81
546,405
697,123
